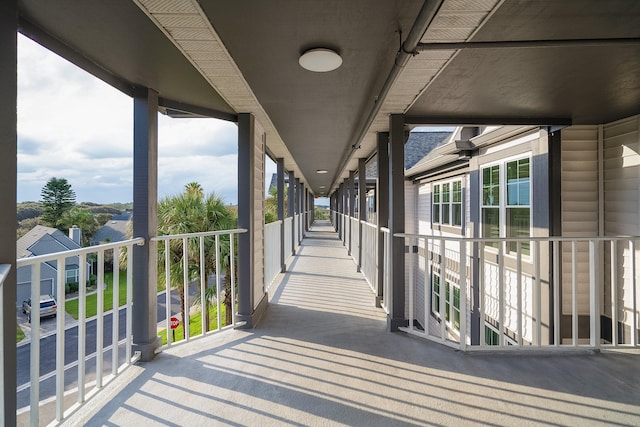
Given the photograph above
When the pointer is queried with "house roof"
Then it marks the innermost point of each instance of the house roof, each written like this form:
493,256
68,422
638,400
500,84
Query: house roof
115,230
25,244
449,151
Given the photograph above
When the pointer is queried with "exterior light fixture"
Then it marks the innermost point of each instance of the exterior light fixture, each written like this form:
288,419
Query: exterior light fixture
322,171
320,60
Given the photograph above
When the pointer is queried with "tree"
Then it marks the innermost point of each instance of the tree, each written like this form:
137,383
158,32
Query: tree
83,218
57,198
192,212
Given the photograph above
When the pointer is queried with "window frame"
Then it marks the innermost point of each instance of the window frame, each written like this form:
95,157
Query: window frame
451,308
503,207
439,206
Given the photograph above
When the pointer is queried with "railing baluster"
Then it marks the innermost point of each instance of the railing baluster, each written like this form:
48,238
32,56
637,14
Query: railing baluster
443,295
82,326
233,278
614,292
463,294
501,295
167,290
115,314
129,315
556,292
594,294
634,294
60,321
411,283
186,320
519,290
99,319
538,293
427,289
35,344
481,292
204,304
218,293
574,294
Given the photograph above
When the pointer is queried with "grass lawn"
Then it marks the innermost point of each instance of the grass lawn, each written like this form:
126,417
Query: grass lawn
19,334
195,325
71,306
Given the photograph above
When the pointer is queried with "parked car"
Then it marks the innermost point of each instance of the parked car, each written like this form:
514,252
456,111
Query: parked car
48,307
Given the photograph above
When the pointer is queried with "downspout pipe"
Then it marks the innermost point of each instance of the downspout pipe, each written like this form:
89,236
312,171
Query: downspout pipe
408,49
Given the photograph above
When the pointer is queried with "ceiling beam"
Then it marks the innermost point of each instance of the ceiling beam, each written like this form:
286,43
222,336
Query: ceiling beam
523,44
194,110
487,121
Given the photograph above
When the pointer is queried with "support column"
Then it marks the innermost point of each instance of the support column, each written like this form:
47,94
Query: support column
8,183
280,166
382,207
339,210
362,200
352,205
396,317
298,211
291,211
145,222
251,296
301,209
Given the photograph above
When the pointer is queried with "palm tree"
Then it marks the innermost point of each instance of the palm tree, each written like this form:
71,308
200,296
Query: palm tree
191,212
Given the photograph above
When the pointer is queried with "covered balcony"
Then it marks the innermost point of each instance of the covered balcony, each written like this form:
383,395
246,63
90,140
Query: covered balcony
528,300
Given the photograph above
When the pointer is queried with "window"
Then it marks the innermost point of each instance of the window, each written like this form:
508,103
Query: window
451,301
506,202
72,276
447,203
491,337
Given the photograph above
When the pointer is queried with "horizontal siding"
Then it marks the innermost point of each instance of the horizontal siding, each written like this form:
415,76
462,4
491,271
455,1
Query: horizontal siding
621,205
580,201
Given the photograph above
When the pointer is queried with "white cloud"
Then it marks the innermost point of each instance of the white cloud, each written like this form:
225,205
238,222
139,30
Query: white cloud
72,125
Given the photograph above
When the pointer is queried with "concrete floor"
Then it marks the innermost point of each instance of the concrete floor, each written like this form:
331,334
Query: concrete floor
322,357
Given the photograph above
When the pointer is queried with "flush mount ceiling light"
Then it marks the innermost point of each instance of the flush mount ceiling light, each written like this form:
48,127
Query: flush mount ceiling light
320,60
322,171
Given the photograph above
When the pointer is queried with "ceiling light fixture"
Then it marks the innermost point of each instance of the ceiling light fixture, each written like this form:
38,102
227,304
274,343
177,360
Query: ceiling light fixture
322,171
320,60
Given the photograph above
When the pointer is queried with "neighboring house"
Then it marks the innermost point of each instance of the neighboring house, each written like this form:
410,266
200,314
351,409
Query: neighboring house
115,230
43,240
517,182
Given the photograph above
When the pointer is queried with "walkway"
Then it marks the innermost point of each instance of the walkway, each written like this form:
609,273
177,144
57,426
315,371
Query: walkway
322,357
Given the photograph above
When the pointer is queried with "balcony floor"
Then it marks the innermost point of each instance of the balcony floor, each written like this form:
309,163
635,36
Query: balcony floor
322,356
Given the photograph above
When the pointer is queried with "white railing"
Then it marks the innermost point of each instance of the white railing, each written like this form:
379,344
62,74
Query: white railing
288,246
550,292
272,262
386,302
354,227
4,272
296,230
203,258
35,264
369,262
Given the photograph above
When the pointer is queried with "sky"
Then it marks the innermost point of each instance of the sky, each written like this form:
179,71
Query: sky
72,125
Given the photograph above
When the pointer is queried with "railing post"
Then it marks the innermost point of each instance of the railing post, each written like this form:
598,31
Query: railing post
463,294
